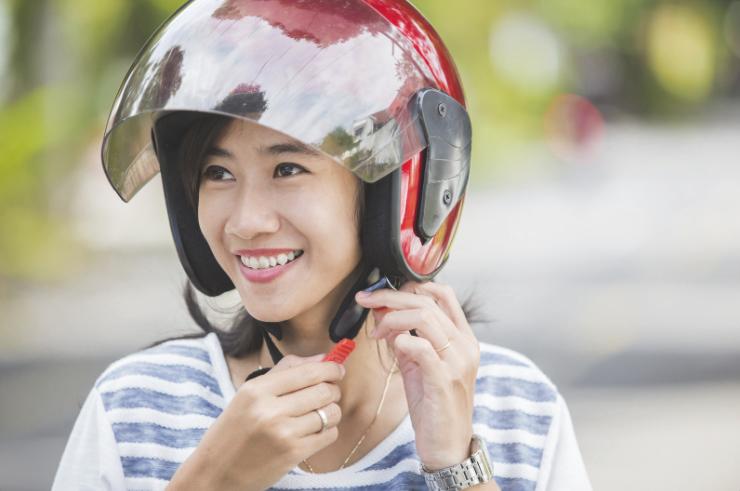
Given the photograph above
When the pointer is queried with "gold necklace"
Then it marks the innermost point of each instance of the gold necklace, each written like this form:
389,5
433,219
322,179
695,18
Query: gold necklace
380,406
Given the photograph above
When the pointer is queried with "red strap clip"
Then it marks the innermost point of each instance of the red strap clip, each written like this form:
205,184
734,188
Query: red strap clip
341,351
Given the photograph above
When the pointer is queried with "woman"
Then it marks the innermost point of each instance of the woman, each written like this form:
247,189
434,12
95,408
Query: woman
314,155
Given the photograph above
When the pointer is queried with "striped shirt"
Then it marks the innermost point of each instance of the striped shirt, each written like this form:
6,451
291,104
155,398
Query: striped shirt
148,412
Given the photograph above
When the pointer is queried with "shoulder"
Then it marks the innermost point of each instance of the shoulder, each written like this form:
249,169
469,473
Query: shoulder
515,408
176,378
505,372
159,403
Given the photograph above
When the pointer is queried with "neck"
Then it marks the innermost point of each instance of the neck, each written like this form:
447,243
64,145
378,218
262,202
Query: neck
307,334
368,363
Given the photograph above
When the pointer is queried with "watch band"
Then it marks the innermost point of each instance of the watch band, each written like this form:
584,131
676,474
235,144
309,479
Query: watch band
475,470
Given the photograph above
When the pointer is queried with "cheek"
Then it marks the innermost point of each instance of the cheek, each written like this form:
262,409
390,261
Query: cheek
338,224
325,214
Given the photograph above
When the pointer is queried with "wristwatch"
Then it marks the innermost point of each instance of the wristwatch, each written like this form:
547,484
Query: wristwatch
475,470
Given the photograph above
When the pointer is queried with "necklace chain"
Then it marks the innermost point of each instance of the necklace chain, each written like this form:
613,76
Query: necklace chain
380,406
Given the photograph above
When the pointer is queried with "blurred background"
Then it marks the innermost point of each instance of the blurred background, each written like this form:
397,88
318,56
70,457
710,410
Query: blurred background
601,234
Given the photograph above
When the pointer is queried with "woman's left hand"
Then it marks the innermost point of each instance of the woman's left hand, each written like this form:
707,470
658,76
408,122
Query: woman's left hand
439,381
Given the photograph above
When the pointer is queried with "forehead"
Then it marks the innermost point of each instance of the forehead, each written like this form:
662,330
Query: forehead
246,136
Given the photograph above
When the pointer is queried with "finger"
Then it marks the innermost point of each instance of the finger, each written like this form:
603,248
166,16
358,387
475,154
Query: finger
421,351
301,376
390,301
302,401
447,300
313,442
435,292
430,325
311,422
394,300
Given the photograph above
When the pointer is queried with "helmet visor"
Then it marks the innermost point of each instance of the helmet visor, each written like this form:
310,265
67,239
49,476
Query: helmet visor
331,73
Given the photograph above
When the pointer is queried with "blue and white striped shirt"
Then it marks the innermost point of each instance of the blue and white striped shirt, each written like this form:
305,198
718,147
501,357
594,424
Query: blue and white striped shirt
148,412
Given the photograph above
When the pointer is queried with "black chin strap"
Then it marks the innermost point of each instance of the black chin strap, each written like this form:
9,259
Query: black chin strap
267,328
345,324
350,317
274,351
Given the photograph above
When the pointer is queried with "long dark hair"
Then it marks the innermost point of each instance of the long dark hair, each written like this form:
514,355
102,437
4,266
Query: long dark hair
242,335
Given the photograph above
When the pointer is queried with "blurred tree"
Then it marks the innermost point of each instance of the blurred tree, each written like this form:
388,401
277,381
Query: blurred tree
66,60
602,54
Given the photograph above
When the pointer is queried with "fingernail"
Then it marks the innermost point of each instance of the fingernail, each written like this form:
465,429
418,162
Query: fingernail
372,334
364,294
341,367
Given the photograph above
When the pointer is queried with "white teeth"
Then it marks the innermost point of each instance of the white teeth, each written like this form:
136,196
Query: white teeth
268,262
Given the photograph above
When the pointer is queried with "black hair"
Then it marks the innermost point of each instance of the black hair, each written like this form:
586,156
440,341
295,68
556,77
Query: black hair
241,339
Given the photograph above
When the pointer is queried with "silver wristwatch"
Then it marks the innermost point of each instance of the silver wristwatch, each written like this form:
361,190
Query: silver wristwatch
475,470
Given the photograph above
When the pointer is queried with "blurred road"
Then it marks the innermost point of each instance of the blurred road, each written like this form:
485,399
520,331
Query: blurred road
621,279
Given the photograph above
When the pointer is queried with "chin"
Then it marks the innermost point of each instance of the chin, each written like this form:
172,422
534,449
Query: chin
269,311
263,315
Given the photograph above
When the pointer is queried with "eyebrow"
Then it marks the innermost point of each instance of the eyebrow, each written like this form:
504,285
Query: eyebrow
219,152
289,147
271,151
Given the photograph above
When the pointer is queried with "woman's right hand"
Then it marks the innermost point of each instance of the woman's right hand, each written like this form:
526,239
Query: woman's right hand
268,428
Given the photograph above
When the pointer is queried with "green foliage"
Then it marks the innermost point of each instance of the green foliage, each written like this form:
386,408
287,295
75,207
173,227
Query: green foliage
32,131
67,59
506,118
28,126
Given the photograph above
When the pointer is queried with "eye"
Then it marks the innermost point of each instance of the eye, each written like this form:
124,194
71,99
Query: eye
287,170
216,173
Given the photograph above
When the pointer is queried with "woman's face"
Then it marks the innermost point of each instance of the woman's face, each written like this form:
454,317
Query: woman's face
280,217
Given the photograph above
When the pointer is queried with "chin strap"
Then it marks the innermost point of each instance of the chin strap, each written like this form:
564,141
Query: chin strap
351,316
346,323
266,331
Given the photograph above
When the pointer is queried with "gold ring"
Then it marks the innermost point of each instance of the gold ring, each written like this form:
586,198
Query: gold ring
324,420
445,346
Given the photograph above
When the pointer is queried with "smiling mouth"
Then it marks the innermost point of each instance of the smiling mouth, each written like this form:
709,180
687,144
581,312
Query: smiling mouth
266,262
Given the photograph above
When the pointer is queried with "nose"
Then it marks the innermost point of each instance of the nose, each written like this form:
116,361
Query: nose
252,214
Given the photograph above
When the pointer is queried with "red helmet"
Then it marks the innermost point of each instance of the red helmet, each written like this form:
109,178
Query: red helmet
367,82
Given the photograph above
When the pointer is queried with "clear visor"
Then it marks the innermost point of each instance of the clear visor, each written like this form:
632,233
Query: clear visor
331,73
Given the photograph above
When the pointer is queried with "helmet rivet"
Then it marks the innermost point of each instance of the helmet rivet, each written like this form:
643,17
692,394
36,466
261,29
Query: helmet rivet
448,197
442,109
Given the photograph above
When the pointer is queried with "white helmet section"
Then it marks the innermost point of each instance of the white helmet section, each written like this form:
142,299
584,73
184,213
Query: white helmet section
332,74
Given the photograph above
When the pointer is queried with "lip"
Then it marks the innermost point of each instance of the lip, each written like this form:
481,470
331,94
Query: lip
262,252
264,275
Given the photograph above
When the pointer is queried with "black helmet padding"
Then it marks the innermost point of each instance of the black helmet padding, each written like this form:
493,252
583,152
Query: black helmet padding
205,272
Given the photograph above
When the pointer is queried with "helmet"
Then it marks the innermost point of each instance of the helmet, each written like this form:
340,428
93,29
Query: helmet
367,82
